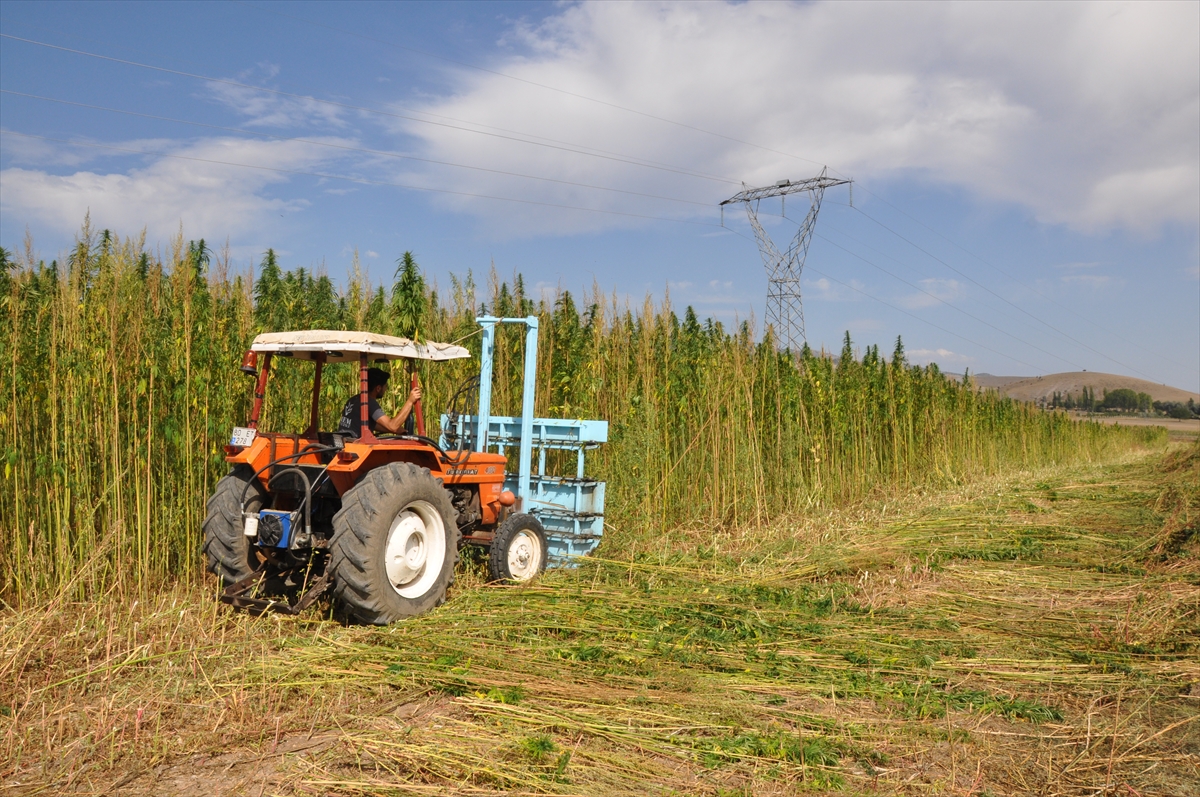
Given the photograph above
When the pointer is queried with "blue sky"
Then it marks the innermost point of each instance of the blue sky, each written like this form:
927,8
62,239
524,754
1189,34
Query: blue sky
1027,176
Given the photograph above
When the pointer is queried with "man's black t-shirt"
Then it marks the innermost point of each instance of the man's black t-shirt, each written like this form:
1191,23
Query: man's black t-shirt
351,422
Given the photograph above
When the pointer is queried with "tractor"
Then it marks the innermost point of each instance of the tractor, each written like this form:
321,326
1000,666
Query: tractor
378,520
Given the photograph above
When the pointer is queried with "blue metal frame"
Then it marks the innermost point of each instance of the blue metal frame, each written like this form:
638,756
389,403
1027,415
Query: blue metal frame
570,508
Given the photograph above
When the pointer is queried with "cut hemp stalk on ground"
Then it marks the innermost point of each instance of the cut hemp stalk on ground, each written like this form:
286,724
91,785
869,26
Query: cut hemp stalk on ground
1033,634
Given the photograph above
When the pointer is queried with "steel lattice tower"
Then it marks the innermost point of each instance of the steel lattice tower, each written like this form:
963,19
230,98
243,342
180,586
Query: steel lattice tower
785,311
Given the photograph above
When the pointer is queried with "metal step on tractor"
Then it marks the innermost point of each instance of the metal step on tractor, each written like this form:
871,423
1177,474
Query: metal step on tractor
378,520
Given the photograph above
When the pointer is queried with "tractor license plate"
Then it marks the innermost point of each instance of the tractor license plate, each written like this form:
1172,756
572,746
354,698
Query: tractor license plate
242,436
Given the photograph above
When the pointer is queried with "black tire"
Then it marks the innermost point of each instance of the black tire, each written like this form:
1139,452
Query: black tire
518,551
231,557
398,505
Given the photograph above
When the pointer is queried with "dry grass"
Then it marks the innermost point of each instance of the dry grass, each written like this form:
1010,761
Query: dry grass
1031,635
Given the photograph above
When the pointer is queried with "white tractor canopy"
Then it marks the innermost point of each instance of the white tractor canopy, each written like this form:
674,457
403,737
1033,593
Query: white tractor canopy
341,346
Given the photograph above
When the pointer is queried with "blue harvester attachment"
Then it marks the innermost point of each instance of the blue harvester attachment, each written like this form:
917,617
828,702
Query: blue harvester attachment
570,508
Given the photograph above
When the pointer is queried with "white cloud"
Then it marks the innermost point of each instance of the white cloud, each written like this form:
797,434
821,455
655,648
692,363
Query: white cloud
35,151
942,357
864,325
1088,280
547,292
934,292
210,200
725,301
708,296
828,291
1084,113
263,109
372,254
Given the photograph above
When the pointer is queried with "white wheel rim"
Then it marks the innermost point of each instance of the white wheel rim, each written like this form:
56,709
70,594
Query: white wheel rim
416,549
524,556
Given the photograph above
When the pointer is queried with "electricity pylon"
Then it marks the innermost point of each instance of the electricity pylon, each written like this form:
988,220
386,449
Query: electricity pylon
785,311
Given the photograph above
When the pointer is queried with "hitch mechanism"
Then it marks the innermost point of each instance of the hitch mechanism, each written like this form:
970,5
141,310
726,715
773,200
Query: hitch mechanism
238,593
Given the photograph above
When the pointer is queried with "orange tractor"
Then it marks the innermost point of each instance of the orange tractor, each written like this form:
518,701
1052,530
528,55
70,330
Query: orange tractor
379,519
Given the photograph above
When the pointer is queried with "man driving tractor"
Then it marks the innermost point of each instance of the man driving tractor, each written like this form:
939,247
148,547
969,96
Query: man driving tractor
377,523
377,380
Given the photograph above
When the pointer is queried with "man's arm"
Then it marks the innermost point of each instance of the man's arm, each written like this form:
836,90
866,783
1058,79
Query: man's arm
396,425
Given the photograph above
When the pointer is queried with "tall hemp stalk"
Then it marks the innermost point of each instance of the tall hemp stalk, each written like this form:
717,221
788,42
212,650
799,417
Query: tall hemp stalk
121,383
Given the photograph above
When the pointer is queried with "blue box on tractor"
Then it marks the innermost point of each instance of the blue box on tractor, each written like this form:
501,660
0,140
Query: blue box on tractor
274,528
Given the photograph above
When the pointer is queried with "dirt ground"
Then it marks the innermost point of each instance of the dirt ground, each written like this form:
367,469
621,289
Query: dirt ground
1176,427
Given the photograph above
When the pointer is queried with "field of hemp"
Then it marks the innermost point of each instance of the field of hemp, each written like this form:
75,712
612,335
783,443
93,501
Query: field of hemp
121,385
850,576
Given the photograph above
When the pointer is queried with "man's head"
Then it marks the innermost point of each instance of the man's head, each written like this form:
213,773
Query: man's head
377,380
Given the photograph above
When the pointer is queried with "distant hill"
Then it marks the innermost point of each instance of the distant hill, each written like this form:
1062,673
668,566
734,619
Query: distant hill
1033,388
993,382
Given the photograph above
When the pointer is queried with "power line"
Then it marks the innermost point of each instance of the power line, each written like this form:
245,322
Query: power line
1022,284
924,321
948,304
363,180
565,146
785,306
532,136
1019,283
993,309
582,150
695,128
498,198
905,312
648,164
1001,298
481,69
546,86
516,137
898,262
377,182
929,294
939,299
350,148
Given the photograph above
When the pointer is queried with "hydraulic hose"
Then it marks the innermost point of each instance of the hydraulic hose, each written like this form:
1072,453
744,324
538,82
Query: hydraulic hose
308,449
307,493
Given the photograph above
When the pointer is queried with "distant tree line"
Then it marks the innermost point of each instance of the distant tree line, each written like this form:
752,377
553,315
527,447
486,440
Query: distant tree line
1066,401
1126,400
1122,400
1178,409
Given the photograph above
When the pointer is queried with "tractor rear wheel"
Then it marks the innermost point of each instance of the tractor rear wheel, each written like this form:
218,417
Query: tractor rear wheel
394,545
518,551
230,554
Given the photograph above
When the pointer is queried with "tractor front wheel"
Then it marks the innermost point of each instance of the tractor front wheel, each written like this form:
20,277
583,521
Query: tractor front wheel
230,554
394,545
518,551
